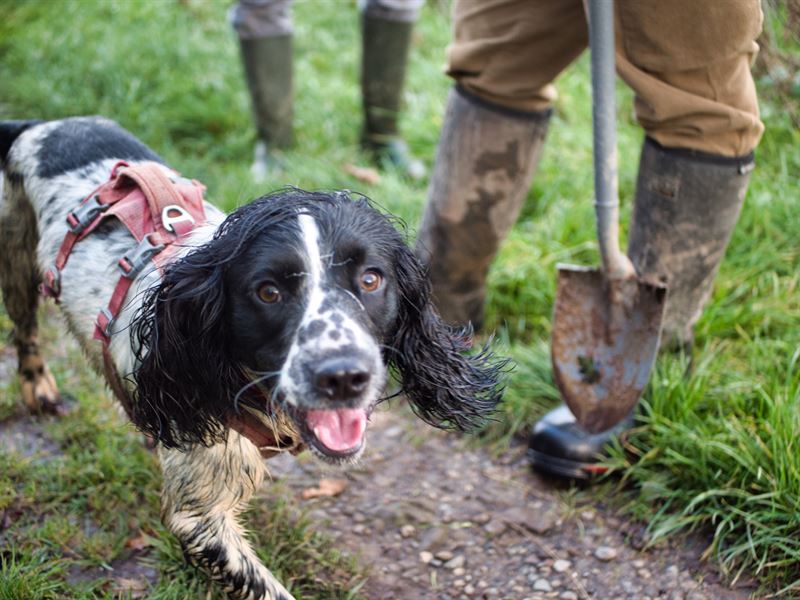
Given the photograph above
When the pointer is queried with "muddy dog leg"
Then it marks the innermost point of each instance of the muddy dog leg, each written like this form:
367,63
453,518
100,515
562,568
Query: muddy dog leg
19,279
205,490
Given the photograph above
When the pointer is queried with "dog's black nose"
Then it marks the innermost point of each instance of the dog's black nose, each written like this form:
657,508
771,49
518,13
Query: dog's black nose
341,378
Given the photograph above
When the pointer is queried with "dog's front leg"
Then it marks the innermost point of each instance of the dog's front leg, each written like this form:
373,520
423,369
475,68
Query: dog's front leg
205,489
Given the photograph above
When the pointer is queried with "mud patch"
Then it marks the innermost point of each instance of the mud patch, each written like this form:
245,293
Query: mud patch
27,438
129,577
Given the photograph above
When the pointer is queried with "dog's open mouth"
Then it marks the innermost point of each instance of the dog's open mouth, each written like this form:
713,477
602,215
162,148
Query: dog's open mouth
335,432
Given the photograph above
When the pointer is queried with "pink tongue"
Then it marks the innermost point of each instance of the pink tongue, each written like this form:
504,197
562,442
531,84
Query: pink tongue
338,430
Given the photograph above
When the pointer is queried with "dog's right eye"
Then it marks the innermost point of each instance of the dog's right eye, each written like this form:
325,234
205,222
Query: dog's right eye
370,281
268,293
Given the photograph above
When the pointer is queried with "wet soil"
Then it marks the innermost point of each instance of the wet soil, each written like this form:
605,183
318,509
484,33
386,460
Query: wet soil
436,519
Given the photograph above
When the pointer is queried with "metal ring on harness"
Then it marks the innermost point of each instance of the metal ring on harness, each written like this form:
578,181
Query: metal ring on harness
168,221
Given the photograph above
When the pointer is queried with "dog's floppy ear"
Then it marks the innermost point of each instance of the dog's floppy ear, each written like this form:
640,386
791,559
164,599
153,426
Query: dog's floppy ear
184,375
447,388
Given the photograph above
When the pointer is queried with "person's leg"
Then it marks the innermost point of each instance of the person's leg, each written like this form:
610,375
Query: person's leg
696,99
264,28
386,28
688,63
504,56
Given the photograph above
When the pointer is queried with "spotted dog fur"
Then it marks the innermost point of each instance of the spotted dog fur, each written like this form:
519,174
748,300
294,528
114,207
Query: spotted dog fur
294,308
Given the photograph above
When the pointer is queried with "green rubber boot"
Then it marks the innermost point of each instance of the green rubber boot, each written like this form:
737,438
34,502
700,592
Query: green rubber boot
484,166
687,204
385,46
268,70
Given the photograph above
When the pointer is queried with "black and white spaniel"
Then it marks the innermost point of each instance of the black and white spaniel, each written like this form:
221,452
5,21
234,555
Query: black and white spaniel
291,310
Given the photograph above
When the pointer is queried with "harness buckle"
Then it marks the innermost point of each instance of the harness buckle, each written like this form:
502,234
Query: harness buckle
168,221
104,322
83,216
131,264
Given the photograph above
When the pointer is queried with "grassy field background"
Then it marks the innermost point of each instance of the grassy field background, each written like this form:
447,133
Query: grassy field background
717,447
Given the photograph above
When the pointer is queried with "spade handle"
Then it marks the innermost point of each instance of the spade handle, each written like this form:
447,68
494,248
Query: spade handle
601,41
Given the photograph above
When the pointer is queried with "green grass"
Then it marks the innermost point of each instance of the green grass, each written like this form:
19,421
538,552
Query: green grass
716,451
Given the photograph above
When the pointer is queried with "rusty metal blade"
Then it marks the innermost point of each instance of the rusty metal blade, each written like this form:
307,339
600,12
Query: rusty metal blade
604,342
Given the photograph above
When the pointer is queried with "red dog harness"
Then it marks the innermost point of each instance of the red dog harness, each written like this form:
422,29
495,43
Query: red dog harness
158,209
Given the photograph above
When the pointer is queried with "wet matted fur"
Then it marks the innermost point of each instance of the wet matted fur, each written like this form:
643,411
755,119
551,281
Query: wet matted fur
294,307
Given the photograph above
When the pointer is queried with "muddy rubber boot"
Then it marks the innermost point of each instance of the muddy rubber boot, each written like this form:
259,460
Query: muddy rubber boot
484,165
268,70
687,204
384,54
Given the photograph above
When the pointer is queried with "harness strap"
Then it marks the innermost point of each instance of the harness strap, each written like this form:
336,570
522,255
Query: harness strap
263,437
145,199
170,210
130,265
149,196
81,222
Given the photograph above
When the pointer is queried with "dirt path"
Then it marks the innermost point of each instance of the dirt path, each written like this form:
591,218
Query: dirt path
437,520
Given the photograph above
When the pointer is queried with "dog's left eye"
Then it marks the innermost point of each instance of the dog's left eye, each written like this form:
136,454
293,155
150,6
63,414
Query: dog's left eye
268,293
370,281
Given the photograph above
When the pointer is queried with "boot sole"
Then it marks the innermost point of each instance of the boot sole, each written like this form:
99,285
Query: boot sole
564,468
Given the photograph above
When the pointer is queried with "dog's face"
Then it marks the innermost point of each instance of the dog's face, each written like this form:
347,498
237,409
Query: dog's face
309,309
301,304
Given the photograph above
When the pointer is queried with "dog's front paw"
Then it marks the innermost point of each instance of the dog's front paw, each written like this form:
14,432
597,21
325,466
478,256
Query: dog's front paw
39,390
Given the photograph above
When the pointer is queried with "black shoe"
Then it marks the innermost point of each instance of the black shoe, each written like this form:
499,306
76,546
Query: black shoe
558,446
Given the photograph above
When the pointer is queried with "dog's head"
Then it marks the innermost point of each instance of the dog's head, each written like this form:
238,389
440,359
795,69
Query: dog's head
301,304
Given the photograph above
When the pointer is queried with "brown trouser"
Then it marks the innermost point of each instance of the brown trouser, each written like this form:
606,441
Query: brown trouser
688,61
